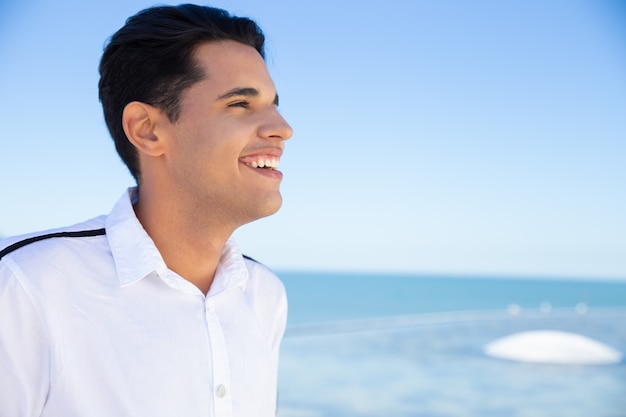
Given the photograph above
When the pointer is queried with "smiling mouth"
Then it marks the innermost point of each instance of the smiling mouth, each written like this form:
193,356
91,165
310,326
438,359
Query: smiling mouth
268,163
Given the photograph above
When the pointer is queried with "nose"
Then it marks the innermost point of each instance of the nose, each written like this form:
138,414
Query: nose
275,127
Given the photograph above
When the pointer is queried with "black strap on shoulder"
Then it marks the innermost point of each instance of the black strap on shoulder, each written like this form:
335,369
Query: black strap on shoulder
22,243
249,258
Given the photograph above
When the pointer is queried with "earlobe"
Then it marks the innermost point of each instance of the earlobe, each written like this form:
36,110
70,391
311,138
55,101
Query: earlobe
139,121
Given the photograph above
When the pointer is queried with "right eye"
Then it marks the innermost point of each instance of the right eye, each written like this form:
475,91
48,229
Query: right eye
244,104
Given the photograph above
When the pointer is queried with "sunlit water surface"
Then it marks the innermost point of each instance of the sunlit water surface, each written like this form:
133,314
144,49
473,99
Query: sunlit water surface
368,362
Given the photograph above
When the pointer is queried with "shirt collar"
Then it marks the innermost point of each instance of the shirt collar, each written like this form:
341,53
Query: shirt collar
134,252
231,270
136,256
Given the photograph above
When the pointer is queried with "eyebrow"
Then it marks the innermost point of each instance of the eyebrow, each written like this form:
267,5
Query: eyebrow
246,92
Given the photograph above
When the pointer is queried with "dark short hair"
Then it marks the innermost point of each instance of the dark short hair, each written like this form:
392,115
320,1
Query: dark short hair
151,59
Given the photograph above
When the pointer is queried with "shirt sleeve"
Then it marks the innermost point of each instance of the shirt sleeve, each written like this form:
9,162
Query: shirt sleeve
24,351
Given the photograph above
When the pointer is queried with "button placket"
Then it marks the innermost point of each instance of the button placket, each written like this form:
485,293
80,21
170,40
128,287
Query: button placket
220,361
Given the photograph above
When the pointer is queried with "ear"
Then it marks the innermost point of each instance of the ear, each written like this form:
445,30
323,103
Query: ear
139,121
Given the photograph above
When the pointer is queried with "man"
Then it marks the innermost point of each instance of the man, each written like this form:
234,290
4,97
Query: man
152,310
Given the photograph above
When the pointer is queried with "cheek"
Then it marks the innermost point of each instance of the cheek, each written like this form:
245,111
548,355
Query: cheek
215,144
216,157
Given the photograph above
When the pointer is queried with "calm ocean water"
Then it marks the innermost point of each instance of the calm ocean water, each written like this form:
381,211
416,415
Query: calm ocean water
322,297
373,345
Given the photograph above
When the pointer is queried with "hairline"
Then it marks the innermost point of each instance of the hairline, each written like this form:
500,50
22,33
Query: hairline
197,69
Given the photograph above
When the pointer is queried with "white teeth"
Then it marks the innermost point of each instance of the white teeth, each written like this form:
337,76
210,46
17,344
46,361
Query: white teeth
267,163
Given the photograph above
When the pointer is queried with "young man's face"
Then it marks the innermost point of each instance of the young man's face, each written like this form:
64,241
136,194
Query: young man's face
229,137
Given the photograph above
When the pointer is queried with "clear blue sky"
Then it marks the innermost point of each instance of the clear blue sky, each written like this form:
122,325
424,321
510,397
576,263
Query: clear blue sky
482,137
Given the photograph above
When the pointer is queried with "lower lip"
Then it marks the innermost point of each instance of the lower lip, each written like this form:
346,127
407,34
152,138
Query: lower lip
270,173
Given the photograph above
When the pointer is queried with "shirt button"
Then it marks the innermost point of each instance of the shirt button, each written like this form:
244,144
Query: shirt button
220,391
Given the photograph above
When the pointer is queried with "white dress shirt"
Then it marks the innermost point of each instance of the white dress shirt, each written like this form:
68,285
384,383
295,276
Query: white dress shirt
98,326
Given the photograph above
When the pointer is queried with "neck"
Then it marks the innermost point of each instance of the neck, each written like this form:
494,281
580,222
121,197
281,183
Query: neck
191,244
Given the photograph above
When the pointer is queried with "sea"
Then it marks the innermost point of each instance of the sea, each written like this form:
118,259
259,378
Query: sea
361,344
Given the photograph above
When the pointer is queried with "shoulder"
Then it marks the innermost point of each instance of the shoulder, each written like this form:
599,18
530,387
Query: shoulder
264,284
54,243
268,297
259,274
57,267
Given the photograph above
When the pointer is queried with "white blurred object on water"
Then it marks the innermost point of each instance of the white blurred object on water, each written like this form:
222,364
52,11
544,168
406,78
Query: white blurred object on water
551,346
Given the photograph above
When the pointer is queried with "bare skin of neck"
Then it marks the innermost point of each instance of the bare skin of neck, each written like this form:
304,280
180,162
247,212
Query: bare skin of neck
191,245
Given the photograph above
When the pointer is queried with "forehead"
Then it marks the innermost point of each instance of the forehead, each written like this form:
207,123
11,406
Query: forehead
230,63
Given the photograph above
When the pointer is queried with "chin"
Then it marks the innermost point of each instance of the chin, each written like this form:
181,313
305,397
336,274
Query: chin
268,208
271,209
